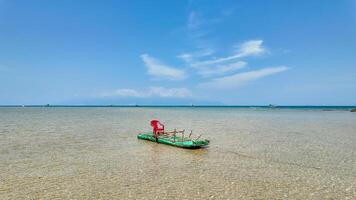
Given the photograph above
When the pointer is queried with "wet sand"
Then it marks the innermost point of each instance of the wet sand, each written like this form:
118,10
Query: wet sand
93,153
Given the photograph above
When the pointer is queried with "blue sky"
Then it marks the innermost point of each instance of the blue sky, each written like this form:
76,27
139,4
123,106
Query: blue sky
178,52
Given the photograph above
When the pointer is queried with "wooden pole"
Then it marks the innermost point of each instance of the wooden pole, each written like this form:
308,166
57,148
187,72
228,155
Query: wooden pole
198,137
174,135
191,132
183,135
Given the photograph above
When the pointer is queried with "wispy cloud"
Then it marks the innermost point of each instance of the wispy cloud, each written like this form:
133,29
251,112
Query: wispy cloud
160,70
191,56
204,63
197,18
248,48
237,80
150,92
222,65
221,69
193,21
198,27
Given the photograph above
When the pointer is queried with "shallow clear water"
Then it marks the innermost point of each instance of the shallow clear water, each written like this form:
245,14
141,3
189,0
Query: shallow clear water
93,153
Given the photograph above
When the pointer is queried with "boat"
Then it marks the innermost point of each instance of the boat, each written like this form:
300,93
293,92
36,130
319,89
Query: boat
175,141
174,138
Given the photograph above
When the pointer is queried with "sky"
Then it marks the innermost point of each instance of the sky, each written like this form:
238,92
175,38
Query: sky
239,52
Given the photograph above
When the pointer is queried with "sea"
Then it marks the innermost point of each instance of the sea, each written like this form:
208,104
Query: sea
255,152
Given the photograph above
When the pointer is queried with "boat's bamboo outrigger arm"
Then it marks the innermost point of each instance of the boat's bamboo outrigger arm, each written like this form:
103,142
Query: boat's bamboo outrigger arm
183,138
175,131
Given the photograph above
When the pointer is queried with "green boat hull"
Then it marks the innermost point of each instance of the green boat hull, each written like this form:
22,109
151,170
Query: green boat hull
174,141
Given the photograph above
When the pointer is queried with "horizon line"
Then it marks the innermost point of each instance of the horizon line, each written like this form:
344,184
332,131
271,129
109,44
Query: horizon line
166,105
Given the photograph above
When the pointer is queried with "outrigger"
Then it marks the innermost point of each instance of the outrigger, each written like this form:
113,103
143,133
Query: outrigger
174,138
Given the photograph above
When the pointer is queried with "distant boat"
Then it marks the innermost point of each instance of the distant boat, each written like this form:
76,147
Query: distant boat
272,106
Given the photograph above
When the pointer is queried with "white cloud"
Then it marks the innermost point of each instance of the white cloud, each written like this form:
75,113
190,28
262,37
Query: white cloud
237,80
186,57
220,66
221,69
248,48
150,92
160,70
191,56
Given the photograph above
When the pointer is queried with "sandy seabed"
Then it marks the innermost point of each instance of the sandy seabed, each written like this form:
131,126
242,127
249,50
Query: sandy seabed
93,153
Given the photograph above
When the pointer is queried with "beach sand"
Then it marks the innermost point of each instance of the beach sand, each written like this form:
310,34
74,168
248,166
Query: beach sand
93,153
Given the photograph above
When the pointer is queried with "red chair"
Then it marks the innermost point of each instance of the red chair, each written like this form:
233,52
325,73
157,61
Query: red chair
158,127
